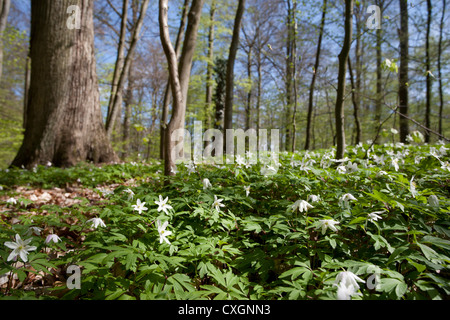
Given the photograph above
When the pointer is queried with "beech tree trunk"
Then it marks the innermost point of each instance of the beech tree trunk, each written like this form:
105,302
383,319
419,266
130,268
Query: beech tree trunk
313,80
179,74
115,91
428,70
116,103
403,70
167,92
64,122
229,88
441,93
4,12
210,67
343,58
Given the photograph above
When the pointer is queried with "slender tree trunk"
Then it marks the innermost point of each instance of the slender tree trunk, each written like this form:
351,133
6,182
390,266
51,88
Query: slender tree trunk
116,104
428,68
129,102
313,80
378,100
289,73
129,94
441,93
4,12
182,72
294,77
403,70
209,68
115,91
229,89
259,85
175,85
167,97
64,122
188,50
249,94
343,57
355,104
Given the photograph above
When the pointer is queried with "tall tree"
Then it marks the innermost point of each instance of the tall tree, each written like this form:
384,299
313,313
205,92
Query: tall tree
379,53
116,103
428,70
64,123
441,93
313,80
403,70
343,58
115,91
210,66
179,76
167,93
229,88
4,12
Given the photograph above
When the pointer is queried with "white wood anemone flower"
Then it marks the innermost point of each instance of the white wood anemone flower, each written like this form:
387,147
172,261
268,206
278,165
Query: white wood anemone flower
20,248
206,184
163,233
373,216
217,203
162,204
301,205
52,237
97,222
328,223
139,206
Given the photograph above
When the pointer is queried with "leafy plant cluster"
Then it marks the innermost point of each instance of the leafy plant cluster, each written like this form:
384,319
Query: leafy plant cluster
240,234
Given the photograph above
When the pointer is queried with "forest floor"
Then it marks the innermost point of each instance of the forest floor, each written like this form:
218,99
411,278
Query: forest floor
284,230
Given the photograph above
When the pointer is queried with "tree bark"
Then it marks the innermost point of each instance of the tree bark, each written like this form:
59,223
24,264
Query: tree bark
117,99
4,12
355,104
167,92
378,100
428,70
175,85
209,68
115,91
248,108
64,122
403,70
294,76
313,80
343,57
441,93
229,88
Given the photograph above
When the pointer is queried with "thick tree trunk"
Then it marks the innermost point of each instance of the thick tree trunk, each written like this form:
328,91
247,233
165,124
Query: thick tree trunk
441,93
229,88
4,12
343,57
403,70
167,92
64,122
428,69
313,80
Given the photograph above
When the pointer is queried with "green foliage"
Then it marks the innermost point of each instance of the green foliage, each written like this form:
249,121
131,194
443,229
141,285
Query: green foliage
256,246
